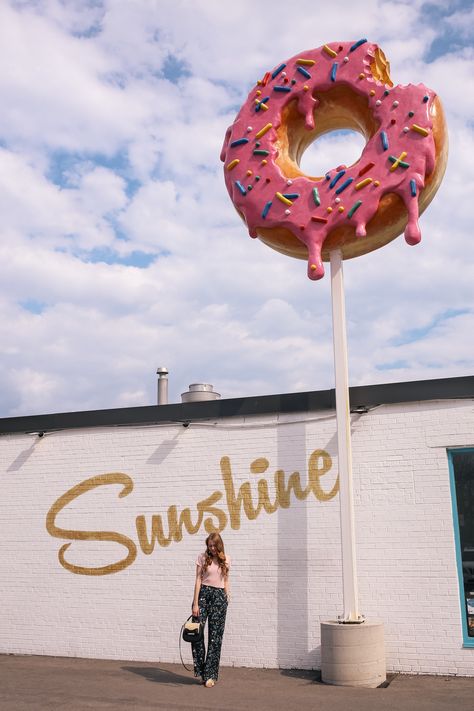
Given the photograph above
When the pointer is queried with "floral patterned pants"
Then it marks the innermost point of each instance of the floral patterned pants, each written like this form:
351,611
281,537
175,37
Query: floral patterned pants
212,607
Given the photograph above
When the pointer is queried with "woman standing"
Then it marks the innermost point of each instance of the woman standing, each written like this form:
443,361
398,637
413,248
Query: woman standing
211,596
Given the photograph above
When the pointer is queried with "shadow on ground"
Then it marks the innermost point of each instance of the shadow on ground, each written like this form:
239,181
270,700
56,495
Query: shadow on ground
313,676
162,676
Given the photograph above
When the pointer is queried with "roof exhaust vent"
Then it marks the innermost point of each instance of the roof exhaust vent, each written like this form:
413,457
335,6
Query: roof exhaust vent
162,389
198,392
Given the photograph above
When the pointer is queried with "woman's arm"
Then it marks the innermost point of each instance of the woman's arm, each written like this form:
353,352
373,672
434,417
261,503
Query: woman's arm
197,588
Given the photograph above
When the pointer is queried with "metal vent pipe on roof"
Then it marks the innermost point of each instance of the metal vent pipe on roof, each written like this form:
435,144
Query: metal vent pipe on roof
162,393
198,392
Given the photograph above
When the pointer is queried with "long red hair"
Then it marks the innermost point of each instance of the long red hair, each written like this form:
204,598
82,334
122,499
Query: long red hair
216,540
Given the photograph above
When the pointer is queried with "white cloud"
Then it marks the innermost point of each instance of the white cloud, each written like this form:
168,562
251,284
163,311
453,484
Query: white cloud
100,152
462,21
55,91
101,192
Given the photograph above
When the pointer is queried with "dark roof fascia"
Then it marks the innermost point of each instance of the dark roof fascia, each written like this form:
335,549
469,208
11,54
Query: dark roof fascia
364,396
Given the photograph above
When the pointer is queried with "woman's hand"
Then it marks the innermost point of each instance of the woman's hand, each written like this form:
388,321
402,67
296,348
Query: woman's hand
195,610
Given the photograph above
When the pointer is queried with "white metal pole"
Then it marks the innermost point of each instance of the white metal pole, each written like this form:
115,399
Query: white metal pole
344,453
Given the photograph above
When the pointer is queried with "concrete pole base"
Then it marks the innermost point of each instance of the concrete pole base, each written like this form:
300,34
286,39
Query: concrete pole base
353,654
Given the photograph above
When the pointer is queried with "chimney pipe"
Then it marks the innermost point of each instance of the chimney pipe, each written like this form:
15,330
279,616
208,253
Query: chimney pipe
162,374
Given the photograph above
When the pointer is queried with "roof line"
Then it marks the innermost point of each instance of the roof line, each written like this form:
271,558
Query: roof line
360,396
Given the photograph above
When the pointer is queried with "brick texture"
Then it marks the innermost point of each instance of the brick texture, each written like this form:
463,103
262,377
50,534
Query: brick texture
286,565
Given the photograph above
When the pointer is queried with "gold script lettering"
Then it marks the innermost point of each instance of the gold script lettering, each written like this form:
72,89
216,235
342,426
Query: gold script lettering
315,473
175,525
294,483
157,533
74,493
234,503
207,506
260,466
175,529
283,491
319,464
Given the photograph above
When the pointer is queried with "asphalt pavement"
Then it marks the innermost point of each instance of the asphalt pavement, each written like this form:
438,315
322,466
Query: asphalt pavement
35,683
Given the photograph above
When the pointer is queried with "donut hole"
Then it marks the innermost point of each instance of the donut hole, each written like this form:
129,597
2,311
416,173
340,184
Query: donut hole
343,108
335,148
339,108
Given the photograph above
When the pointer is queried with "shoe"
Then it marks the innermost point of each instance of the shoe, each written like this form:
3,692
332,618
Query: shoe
209,683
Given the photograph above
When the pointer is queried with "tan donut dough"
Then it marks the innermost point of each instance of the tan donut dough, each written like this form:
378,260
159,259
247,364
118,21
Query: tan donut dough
356,208
341,108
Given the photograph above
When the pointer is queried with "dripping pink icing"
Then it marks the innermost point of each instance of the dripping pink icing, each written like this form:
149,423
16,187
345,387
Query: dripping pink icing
309,222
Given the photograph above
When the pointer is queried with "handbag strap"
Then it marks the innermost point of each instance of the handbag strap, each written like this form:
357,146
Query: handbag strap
180,652
180,640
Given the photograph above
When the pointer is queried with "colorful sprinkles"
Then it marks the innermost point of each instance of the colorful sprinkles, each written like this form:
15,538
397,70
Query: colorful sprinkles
344,185
278,70
283,199
263,130
304,72
363,183
420,129
290,81
239,142
329,51
261,104
366,169
354,207
398,161
337,177
357,44
233,163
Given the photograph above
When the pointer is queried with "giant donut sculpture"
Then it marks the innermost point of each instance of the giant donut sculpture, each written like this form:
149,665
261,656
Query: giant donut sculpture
355,209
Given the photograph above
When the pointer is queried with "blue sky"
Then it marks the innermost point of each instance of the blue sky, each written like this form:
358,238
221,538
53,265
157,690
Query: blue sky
120,250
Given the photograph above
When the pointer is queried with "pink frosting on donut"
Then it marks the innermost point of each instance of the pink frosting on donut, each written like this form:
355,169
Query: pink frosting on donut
396,159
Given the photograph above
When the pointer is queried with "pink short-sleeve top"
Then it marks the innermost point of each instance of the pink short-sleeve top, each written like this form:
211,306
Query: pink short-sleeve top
212,575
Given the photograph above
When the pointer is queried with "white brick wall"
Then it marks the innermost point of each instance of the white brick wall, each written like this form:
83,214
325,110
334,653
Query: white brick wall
286,574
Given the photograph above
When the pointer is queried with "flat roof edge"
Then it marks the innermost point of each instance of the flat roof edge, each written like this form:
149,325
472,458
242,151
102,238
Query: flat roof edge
286,403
